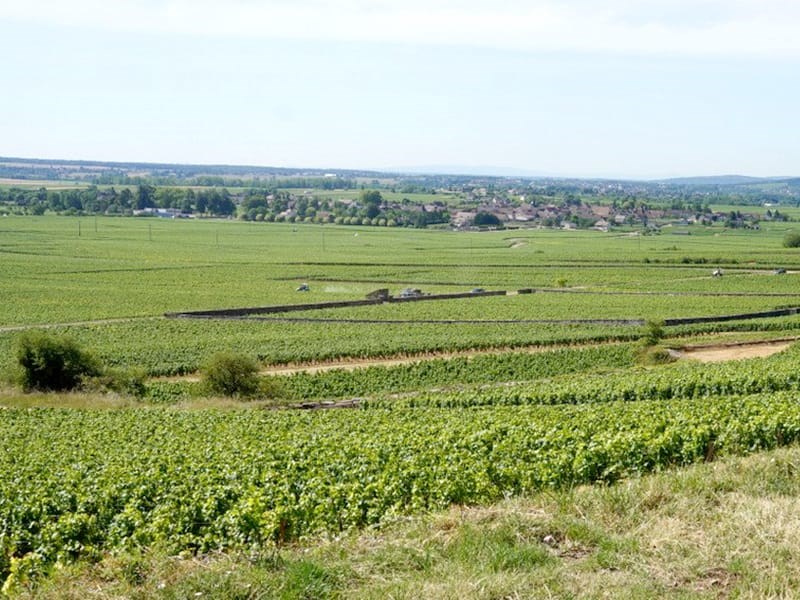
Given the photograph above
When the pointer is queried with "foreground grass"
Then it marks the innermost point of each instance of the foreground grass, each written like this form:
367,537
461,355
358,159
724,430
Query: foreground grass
13,397
722,529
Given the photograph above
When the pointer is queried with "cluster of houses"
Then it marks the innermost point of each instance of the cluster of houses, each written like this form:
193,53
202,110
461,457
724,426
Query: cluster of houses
505,211
600,217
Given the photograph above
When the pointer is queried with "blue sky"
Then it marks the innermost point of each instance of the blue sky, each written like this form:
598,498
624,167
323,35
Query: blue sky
616,88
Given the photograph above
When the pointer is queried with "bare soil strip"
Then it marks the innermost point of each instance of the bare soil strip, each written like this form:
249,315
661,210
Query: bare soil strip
725,352
609,322
352,364
709,353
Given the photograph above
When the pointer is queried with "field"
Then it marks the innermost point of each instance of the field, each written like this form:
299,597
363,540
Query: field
505,398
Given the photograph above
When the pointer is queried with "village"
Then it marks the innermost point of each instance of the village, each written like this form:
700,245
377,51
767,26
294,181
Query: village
509,209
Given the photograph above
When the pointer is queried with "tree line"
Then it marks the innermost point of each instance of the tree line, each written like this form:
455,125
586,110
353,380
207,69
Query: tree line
252,204
126,201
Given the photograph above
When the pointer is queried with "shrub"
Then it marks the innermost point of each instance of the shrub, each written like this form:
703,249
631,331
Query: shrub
52,363
121,381
791,240
654,355
231,374
653,333
271,386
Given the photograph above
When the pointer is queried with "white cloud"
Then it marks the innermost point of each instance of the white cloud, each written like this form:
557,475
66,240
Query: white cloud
670,27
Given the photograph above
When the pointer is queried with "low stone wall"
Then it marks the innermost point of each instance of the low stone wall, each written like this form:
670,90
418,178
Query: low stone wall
232,313
447,296
266,310
784,312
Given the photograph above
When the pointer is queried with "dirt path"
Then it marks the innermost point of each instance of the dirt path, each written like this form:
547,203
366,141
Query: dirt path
709,353
717,352
724,352
352,364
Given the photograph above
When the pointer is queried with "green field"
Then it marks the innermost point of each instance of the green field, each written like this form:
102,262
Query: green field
561,401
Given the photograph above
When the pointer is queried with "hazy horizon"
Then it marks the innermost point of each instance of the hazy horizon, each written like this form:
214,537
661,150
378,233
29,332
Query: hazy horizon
452,170
554,89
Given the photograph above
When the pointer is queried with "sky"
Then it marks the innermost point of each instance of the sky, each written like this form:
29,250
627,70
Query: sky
579,88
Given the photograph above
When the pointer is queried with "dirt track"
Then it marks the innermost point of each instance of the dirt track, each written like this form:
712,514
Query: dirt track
711,353
351,364
715,353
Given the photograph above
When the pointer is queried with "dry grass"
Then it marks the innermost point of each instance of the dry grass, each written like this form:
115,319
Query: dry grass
14,398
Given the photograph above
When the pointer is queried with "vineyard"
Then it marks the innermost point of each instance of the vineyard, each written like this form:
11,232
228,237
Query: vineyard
683,380
545,399
97,481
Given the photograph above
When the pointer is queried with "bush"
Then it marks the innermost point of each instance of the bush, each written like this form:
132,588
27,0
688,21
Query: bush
791,240
654,355
53,364
653,333
121,381
272,386
230,374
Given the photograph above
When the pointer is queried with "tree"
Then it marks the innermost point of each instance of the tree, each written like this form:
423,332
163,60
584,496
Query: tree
54,201
220,203
372,200
202,202
188,201
373,210
167,197
51,363
125,198
484,219
145,195
230,374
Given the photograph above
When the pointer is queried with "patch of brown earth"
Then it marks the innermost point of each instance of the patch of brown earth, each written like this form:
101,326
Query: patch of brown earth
721,353
351,364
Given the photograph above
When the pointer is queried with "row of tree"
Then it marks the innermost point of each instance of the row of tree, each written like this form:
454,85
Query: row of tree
369,209
93,200
254,204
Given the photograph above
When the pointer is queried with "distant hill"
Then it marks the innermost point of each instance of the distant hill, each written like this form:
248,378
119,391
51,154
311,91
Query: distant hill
433,176
718,180
46,168
487,171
